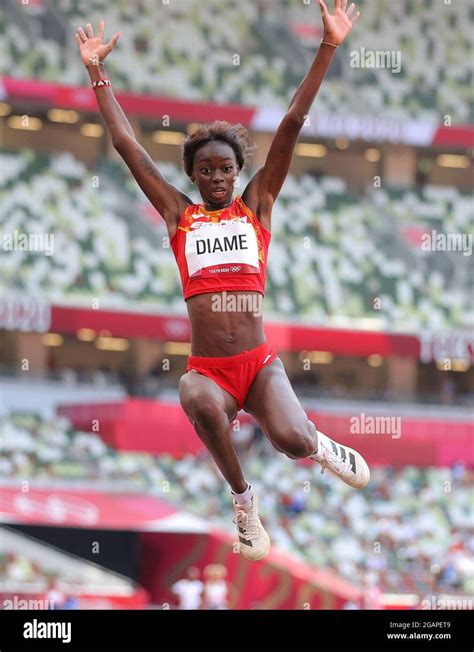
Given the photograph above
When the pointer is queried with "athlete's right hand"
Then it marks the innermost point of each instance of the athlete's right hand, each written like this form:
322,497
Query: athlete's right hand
93,49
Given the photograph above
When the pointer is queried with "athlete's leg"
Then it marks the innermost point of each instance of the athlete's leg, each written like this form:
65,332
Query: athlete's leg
273,402
210,409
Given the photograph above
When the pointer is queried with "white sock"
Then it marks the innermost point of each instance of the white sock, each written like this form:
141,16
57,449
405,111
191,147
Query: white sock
245,497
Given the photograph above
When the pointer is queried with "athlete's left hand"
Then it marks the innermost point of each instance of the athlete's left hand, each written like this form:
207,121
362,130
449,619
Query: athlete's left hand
338,24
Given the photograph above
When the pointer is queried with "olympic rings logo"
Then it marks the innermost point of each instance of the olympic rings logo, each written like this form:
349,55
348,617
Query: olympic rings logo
235,269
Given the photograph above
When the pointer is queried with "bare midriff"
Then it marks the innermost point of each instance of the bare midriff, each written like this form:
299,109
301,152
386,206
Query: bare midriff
225,324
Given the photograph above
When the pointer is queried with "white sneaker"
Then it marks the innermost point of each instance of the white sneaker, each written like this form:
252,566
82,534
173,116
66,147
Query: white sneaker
254,542
345,462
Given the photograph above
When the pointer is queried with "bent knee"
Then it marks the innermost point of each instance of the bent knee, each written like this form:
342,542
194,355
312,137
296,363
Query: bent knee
208,413
297,442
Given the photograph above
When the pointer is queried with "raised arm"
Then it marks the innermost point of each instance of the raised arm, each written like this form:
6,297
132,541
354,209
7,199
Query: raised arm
168,200
265,186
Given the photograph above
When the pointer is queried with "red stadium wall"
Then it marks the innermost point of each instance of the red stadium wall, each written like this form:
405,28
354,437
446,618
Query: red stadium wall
284,336
156,427
277,582
422,442
140,425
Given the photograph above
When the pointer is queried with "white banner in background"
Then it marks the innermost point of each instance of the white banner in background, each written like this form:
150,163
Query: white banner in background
446,345
353,127
24,313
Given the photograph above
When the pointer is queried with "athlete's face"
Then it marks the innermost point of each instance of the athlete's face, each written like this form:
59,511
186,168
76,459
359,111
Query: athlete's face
214,172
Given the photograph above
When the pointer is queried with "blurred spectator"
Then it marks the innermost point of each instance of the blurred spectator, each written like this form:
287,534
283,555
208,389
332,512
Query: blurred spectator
216,589
54,594
189,589
448,390
19,568
371,594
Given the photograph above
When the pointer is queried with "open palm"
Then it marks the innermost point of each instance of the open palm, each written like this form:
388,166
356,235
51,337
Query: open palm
338,24
92,48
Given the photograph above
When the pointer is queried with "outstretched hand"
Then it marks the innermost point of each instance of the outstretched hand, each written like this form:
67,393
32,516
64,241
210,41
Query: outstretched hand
93,49
338,24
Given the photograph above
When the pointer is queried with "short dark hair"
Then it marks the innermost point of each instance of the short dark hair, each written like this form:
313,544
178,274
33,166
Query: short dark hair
235,135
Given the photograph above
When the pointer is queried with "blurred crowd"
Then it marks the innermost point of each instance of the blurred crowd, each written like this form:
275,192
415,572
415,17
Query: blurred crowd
189,49
22,576
410,528
357,248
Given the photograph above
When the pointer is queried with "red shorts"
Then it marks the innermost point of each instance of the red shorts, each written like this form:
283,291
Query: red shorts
234,373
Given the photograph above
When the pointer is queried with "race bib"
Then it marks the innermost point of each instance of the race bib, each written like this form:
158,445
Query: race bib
216,248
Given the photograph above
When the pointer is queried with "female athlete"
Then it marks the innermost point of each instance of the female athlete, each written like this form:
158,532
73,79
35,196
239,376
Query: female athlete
221,248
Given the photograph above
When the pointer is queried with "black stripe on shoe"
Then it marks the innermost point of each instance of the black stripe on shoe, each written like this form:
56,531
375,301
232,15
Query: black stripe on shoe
352,460
334,447
343,452
246,542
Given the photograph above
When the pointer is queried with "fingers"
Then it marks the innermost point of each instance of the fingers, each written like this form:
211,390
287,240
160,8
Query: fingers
350,10
344,5
78,39
100,33
355,17
324,9
113,41
82,34
350,13
90,31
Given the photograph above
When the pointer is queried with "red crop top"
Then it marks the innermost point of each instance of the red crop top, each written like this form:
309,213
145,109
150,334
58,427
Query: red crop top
221,250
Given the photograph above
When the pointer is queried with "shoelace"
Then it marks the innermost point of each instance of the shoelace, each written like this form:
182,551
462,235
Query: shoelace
248,522
329,457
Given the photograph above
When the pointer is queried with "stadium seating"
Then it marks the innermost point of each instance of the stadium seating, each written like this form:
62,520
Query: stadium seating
404,527
49,451
344,257
252,52
409,528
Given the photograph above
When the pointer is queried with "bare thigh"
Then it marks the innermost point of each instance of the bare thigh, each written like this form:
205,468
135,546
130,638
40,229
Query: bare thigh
210,408
273,402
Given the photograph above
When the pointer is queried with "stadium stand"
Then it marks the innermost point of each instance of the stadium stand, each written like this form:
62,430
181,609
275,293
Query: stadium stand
252,52
51,451
406,528
358,248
